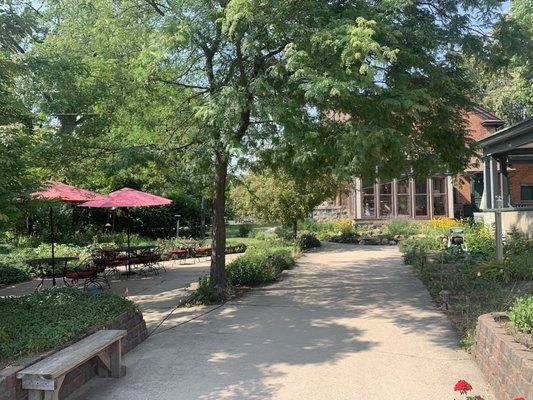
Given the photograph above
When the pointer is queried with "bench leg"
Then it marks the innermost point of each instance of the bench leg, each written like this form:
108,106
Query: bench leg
35,394
115,359
51,394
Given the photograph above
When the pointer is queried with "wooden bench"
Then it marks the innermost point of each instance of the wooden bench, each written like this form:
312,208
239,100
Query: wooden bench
44,378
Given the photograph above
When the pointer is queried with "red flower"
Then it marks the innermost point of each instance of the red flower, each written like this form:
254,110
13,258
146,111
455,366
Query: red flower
463,386
480,398
520,398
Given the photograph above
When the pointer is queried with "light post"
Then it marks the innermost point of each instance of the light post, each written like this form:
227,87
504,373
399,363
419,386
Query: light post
177,225
498,228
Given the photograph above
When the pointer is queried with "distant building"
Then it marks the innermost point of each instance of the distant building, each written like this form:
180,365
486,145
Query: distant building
442,195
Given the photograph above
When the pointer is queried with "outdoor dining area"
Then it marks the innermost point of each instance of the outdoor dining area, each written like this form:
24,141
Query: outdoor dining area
105,264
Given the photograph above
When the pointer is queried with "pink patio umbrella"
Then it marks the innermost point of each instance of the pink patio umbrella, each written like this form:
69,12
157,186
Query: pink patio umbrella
127,198
67,194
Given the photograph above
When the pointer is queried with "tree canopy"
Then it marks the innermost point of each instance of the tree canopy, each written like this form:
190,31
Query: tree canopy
175,96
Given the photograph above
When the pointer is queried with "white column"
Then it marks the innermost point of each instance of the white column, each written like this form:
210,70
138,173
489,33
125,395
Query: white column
358,196
449,194
486,198
493,179
430,197
413,200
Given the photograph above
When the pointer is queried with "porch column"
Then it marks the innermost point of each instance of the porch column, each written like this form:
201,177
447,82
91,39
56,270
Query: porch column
504,182
449,196
488,183
358,195
493,179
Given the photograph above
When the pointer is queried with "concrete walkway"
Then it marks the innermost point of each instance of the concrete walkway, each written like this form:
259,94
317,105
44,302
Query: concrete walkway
156,295
347,323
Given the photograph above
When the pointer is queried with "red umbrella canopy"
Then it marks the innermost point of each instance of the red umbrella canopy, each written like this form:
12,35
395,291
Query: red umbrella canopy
127,197
66,193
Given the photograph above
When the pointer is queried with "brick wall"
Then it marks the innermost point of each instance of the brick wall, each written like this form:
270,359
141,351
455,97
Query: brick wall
10,386
507,365
520,174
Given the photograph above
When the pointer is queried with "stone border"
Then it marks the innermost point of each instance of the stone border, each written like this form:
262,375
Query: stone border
507,364
11,387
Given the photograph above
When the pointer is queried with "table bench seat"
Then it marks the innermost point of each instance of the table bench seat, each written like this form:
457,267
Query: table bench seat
44,378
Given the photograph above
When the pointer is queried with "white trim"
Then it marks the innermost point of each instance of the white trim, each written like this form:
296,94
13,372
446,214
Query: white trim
358,198
449,194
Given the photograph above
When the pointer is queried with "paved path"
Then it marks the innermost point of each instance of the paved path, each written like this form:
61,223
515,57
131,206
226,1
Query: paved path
155,295
346,323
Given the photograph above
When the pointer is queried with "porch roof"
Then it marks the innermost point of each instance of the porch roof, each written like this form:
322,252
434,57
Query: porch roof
514,142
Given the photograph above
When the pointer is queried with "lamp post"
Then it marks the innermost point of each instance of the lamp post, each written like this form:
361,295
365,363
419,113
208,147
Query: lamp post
498,228
177,225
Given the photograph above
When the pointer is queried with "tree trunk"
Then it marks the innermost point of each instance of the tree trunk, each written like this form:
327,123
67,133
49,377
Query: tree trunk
295,228
218,264
202,217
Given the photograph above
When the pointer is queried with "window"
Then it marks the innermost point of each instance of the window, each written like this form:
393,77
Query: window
369,201
526,193
439,195
385,199
421,197
404,197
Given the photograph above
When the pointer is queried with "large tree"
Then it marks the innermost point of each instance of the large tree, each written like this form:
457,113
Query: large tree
275,196
266,76
503,72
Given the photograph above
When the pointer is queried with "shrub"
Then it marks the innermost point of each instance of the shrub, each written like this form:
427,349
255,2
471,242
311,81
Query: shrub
245,229
520,265
445,223
521,314
9,274
259,267
307,240
284,233
260,235
343,225
403,227
312,225
51,317
420,245
492,270
480,241
207,294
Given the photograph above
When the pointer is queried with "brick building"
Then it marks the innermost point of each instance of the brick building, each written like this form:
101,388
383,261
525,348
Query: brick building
439,195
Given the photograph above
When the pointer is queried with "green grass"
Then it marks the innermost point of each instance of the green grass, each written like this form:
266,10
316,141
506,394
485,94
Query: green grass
49,318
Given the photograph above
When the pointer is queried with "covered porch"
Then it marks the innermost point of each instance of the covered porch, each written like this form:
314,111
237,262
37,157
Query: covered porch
507,149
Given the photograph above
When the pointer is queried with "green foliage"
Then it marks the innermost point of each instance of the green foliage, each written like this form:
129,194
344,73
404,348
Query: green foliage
502,73
259,267
520,264
521,314
404,227
10,274
343,226
207,294
46,319
419,245
311,225
480,241
307,240
245,230
277,196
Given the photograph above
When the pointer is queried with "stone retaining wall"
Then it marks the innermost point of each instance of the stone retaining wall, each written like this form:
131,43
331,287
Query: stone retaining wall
507,365
11,387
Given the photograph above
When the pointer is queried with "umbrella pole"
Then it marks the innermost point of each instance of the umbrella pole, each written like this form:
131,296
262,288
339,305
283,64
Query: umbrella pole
52,239
128,235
